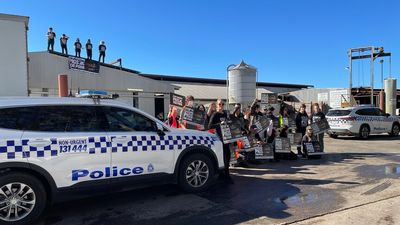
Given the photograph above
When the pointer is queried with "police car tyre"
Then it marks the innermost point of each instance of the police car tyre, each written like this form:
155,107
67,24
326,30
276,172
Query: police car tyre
196,173
364,132
22,198
395,130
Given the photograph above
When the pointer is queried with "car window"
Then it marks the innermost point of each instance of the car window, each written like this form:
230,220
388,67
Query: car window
85,119
18,118
379,112
367,112
126,120
338,112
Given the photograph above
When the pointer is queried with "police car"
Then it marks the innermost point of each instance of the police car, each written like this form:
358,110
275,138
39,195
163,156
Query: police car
361,121
55,148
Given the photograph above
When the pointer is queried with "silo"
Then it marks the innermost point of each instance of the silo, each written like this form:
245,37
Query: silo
242,84
390,95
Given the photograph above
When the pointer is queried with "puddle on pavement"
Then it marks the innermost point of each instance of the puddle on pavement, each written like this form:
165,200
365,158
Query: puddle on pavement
379,171
306,198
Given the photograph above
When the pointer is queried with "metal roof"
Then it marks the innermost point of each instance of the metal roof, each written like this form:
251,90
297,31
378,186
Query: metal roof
217,81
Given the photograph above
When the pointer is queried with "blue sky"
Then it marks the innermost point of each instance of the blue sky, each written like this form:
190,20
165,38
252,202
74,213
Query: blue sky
289,41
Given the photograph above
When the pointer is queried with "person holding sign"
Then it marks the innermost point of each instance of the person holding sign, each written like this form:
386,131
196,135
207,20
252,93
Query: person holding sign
218,118
102,50
89,48
78,47
50,39
309,137
302,120
317,116
63,42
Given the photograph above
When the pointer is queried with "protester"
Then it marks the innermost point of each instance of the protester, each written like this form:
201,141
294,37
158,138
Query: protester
160,116
284,117
63,42
219,117
317,116
102,50
50,39
309,137
189,102
302,120
238,116
202,109
211,109
272,117
89,48
78,47
173,117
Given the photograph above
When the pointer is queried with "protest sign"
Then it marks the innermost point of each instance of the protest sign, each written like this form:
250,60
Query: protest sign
313,148
87,65
231,132
295,138
282,145
262,123
320,126
264,151
177,100
194,117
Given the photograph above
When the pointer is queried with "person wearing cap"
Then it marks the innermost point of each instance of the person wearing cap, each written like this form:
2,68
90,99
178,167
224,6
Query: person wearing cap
78,47
50,39
63,43
89,48
102,50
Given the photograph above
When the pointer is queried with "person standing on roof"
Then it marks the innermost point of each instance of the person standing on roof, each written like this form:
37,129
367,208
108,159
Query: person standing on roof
78,47
89,48
63,42
102,50
50,39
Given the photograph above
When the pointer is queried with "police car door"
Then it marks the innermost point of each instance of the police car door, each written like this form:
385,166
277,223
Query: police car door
385,121
136,146
69,142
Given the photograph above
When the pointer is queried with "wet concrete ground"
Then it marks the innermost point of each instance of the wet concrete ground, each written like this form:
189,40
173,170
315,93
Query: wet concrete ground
352,179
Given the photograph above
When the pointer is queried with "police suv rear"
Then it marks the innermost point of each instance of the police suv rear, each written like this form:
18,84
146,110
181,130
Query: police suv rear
361,121
53,148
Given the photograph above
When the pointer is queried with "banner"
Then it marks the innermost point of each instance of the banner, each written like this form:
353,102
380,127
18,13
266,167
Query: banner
231,132
313,148
320,126
282,145
75,63
264,151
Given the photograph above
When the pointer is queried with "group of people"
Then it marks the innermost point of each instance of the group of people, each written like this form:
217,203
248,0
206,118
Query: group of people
215,116
51,35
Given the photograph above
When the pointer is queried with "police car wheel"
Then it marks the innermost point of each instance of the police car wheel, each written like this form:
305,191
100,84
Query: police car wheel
364,132
196,173
395,130
22,198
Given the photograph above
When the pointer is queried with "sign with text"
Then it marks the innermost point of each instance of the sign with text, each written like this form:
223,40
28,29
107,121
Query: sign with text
320,126
282,145
231,132
75,63
295,138
264,151
313,148
176,100
193,117
262,124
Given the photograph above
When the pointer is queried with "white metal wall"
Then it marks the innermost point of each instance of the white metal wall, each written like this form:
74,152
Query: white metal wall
13,56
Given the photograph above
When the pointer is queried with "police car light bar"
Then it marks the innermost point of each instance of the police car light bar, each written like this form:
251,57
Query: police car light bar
96,94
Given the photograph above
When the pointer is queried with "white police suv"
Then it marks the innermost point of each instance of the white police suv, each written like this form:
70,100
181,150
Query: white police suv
361,121
55,148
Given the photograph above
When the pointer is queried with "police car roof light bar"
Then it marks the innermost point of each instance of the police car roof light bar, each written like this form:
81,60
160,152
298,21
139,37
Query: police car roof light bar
96,94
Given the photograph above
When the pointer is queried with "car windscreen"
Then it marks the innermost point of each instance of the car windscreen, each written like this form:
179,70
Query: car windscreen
338,112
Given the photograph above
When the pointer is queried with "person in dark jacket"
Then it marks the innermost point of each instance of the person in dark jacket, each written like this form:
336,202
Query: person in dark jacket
317,116
78,47
50,39
102,50
89,48
63,43
219,117
302,120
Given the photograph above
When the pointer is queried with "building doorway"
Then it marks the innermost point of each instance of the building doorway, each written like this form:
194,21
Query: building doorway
159,106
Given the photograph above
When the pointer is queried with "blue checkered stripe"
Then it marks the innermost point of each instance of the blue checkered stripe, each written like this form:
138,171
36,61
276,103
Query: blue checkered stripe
160,143
18,149
98,145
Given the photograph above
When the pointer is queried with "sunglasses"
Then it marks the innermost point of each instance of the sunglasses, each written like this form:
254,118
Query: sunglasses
221,103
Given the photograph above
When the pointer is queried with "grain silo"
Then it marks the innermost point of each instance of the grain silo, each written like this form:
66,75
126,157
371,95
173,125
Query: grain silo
390,95
242,84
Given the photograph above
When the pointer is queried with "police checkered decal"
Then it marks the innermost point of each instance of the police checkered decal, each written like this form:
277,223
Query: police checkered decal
159,143
98,145
16,149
